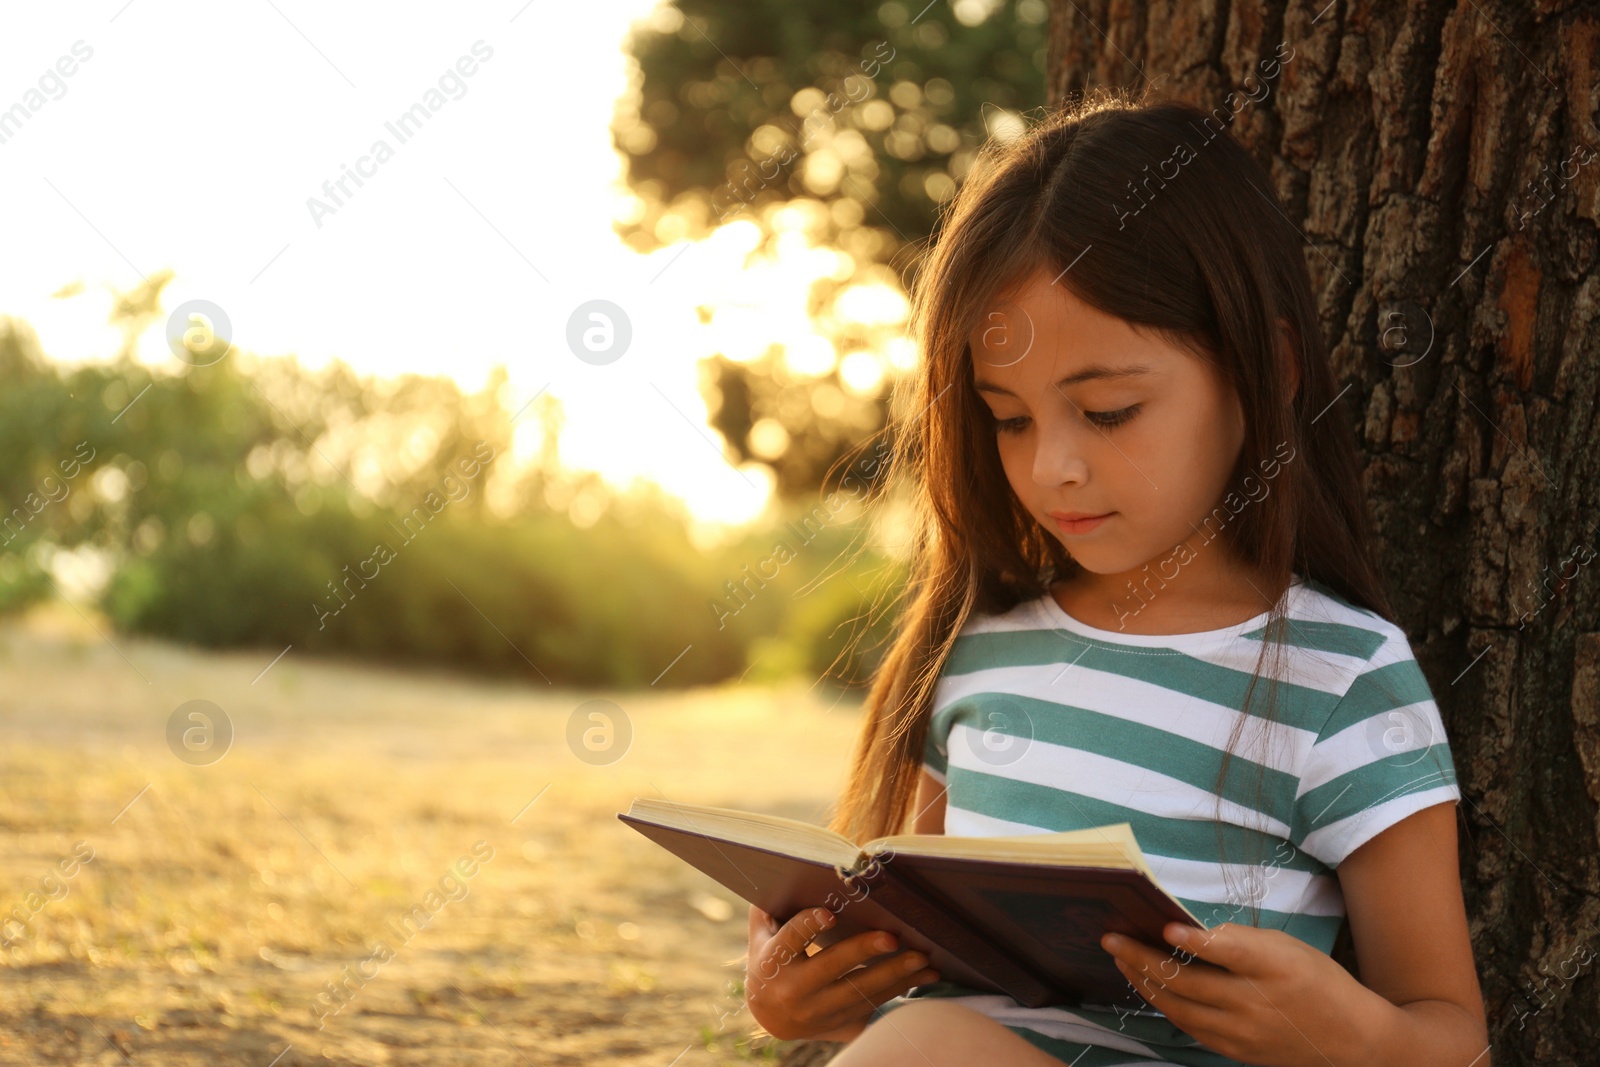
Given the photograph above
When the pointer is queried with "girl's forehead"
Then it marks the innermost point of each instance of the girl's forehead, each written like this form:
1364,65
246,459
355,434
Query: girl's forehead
1038,286
1041,298
1018,354
1054,322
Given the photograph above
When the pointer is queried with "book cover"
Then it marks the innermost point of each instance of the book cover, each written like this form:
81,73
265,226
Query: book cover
1025,928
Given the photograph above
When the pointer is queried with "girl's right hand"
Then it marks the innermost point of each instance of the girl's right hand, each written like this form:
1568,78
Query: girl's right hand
793,995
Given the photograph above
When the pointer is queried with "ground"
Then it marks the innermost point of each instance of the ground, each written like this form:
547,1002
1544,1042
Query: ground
208,904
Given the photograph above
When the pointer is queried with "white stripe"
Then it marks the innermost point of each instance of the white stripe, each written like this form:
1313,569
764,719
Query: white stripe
959,822
1393,739
1332,843
1289,891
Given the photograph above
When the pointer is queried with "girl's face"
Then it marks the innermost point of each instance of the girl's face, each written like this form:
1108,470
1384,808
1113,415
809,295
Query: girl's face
1094,417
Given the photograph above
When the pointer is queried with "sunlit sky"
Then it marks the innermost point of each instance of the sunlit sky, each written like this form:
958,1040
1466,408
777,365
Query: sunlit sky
193,135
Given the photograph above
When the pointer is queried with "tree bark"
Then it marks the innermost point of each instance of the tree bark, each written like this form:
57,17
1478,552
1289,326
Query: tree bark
1443,163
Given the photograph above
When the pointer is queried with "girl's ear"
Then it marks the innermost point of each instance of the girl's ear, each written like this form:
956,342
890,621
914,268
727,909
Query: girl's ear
1291,358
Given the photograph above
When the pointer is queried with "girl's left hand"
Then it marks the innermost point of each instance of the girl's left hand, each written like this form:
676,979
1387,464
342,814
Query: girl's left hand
1259,996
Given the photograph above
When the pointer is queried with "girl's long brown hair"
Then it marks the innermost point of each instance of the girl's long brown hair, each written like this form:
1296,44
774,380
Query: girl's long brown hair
1193,247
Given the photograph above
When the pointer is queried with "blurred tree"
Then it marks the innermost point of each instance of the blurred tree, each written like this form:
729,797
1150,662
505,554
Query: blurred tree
255,502
856,120
874,111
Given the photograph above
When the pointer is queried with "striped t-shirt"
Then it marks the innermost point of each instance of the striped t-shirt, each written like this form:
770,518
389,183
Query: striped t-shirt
1042,723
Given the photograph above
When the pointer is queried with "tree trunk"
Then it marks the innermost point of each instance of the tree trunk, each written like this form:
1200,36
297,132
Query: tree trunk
1443,164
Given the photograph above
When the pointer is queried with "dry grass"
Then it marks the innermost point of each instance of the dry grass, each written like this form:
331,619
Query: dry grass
222,900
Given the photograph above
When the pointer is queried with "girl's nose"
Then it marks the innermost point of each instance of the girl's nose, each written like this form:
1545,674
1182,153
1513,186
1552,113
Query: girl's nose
1059,459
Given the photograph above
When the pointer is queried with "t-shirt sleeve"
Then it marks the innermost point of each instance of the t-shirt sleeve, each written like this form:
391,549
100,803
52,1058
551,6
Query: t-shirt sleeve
1382,755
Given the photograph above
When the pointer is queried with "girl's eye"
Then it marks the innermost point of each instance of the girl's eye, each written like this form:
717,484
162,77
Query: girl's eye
1103,419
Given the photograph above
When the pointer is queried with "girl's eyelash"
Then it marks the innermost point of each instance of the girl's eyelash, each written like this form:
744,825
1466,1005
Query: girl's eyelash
1104,419
1108,419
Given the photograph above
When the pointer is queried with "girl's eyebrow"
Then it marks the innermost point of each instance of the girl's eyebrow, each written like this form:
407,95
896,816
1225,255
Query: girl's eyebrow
1093,373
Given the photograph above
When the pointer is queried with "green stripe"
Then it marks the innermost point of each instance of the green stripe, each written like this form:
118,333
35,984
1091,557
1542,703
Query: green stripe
1366,787
1297,705
1397,685
1055,810
1148,747
1319,636
1317,931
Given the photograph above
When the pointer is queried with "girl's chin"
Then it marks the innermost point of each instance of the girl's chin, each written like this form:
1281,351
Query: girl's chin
1096,563
1104,561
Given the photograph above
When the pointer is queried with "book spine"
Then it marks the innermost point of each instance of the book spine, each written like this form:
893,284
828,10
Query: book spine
906,898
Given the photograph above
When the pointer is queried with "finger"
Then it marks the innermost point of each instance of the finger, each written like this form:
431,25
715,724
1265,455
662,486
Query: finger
1196,1018
838,989
790,940
842,957
1227,945
858,992
1166,975
1175,969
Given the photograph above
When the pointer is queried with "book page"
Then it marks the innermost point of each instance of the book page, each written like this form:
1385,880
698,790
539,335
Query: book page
1112,845
791,837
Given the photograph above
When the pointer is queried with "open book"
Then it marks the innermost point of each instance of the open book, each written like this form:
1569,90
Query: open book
1016,915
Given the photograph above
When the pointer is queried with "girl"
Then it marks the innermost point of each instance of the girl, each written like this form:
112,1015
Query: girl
1142,590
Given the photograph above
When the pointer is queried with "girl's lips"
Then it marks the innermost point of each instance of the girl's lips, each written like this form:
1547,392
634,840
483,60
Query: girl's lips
1080,526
